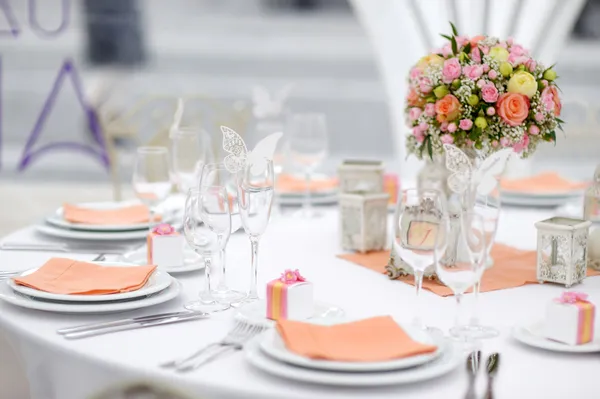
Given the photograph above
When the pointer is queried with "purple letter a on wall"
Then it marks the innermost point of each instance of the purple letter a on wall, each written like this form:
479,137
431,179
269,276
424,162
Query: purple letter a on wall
97,151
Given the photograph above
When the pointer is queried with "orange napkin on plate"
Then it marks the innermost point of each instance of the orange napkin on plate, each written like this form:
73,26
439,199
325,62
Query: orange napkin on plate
68,276
370,340
512,268
545,183
126,215
287,183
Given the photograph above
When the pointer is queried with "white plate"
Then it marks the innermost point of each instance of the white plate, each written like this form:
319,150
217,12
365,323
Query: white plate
273,345
192,261
158,281
532,201
18,299
450,359
91,235
58,220
255,313
314,200
558,194
532,335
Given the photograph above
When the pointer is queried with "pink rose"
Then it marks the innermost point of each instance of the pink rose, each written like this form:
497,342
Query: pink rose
423,126
444,126
518,59
490,111
495,143
489,93
418,134
451,70
413,98
502,44
465,124
504,142
473,72
551,100
517,49
462,41
447,139
414,113
539,117
486,68
492,74
534,130
446,50
481,83
430,109
447,108
452,127
485,49
415,73
425,85
522,145
513,108
476,55
531,65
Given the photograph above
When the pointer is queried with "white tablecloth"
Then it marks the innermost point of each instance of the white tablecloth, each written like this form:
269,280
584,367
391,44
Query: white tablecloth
61,369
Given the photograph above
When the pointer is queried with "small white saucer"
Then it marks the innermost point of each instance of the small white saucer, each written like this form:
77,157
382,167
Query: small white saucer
255,313
192,261
531,334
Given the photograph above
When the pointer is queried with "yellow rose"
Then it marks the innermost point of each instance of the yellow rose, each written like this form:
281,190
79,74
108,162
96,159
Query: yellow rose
523,83
500,54
431,59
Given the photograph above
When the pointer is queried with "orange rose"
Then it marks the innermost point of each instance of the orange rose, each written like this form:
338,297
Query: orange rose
513,108
476,39
551,99
447,109
414,100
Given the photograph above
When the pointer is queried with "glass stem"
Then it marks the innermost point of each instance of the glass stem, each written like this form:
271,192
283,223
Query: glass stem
476,289
307,193
207,276
150,218
223,280
458,297
253,293
418,285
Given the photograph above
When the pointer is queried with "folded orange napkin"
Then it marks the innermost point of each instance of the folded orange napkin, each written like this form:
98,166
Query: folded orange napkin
291,184
512,268
543,183
370,340
127,215
68,276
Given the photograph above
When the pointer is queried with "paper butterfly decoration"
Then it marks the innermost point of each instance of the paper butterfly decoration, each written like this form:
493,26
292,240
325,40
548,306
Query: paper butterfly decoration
484,178
266,104
239,157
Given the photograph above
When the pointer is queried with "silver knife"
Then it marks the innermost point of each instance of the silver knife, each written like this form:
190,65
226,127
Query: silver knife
136,325
116,323
49,247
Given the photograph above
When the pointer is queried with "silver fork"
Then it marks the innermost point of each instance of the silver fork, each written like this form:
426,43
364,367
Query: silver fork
9,274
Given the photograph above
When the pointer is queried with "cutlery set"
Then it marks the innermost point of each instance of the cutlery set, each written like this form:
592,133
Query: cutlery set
473,365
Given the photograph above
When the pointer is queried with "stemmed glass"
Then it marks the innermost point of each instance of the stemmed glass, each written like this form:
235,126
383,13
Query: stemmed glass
308,146
463,273
216,174
420,230
207,227
151,178
255,198
189,153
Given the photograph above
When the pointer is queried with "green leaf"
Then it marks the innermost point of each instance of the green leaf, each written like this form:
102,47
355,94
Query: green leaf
560,120
430,148
467,48
446,37
553,136
454,46
454,31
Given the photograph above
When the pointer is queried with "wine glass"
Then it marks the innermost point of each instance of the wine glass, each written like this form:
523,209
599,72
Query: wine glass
216,174
189,153
420,229
255,198
207,227
151,178
308,146
462,274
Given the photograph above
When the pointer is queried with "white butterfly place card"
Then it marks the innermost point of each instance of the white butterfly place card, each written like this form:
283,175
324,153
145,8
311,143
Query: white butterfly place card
267,105
239,157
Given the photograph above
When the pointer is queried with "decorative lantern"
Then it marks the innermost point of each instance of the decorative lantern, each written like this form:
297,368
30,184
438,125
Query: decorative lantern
562,254
363,221
361,176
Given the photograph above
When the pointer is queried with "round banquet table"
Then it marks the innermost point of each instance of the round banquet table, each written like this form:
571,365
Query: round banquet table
75,369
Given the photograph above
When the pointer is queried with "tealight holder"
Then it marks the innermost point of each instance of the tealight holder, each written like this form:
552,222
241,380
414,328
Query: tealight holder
361,176
562,254
363,221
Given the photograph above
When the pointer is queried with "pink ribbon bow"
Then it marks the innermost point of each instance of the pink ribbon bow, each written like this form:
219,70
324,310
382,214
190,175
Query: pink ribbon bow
291,276
572,297
163,229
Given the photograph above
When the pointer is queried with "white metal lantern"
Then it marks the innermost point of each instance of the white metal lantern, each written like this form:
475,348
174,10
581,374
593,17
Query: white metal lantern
361,176
363,221
562,254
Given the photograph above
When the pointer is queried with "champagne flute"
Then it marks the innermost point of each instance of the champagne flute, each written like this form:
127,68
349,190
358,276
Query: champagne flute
420,228
216,174
308,146
151,178
189,153
255,197
207,227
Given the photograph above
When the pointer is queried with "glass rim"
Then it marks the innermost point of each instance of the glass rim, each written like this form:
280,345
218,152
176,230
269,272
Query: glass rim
187,130
152,150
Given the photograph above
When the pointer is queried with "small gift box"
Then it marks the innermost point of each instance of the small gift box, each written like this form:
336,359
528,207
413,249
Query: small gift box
363,221
165,246
290,297
361,176
570,319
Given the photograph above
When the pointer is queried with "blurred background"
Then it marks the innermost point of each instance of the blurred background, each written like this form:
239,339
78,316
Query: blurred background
130,60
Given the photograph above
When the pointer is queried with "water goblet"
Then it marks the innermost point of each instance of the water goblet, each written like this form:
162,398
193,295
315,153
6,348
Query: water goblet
189,153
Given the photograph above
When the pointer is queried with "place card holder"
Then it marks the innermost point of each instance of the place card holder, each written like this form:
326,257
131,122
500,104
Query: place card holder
363,221
361,176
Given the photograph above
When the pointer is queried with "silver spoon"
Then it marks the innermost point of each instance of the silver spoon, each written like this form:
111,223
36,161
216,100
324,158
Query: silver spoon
473,361
492,364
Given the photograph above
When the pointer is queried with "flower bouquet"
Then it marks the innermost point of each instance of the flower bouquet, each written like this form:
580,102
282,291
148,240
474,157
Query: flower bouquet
482,95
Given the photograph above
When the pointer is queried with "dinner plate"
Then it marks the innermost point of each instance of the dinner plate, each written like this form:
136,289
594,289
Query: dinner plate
255,313
449,360
191,260
549,201
272,344
91,235
531,334
57,219
26,301
158,281
298,200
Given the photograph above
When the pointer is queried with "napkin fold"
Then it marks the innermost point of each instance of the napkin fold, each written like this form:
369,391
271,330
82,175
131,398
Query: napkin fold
120,216
68,276
512,268
287,183
369,340
543,183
